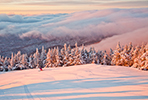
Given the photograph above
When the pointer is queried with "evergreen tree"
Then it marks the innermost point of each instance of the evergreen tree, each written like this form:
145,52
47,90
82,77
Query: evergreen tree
125,57
65,55
18,57
77,55
12,64
99,57
6,63
83,55
43,54
106,60
1,64
48,59
135,57
93,56
24,61
118,47
54,51
116,58
36,57
144,61
30,62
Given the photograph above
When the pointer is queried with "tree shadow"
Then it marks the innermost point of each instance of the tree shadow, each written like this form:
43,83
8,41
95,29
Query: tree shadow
88,83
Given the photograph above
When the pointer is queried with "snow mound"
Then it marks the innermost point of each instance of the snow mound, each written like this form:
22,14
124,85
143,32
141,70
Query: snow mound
77,82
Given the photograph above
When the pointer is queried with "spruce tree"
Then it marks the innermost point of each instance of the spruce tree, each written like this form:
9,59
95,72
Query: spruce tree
48,59
12,64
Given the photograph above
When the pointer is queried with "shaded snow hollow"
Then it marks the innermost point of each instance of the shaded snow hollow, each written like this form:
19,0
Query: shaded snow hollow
86,82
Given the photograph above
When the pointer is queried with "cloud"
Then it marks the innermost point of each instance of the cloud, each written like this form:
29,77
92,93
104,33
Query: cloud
137,37
96,23
18,1
17,19
121,3
134,3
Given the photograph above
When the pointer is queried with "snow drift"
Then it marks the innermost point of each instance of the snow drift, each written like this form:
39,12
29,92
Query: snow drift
76,82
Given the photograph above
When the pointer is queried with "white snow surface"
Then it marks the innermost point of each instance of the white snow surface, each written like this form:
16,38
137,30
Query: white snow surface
82,82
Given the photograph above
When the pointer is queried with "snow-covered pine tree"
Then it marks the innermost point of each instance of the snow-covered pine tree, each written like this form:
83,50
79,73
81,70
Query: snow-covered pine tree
142,49
48,59
36,57
12,64
18,57
125,58
130,48
144,58
77,55
102,53
70,56
6,63
99,56
24,62
43,54
71,60
135,57
116,58
94,56
66,59
58,60
15,59
83,55
106,60
1,64
30,62
111,52
90,55
69,49
65,55
53,56
118,47
130,53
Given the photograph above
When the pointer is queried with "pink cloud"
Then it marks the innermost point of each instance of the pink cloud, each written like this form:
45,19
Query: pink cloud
137,37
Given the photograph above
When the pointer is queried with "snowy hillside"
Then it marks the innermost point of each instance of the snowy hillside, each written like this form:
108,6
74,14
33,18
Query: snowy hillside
137,37
86,82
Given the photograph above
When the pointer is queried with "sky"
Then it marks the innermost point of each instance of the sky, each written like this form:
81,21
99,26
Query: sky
30,7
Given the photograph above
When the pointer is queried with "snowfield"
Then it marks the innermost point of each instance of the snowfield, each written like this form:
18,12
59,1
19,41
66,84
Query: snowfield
86,82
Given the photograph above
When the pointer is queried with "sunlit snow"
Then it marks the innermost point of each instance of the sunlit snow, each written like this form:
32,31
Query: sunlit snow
86,82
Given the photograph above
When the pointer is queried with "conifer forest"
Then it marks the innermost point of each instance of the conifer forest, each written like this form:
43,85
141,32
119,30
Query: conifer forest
128,55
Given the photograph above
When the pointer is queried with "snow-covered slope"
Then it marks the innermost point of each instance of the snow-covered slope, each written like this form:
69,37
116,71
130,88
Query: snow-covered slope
87,82
137,37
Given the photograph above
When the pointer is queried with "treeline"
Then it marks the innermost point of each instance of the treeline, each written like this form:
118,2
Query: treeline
128,55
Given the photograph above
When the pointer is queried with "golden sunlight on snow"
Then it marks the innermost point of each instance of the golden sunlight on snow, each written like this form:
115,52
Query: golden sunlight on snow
75,82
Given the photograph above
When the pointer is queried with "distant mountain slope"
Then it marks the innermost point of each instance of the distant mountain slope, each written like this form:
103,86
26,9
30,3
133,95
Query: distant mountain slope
137,37
12,43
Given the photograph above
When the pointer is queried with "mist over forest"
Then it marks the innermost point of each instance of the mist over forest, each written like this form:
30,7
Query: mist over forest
25,33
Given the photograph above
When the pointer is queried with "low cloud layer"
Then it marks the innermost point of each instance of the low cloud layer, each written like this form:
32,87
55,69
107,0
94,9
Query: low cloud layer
86,23
137,37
